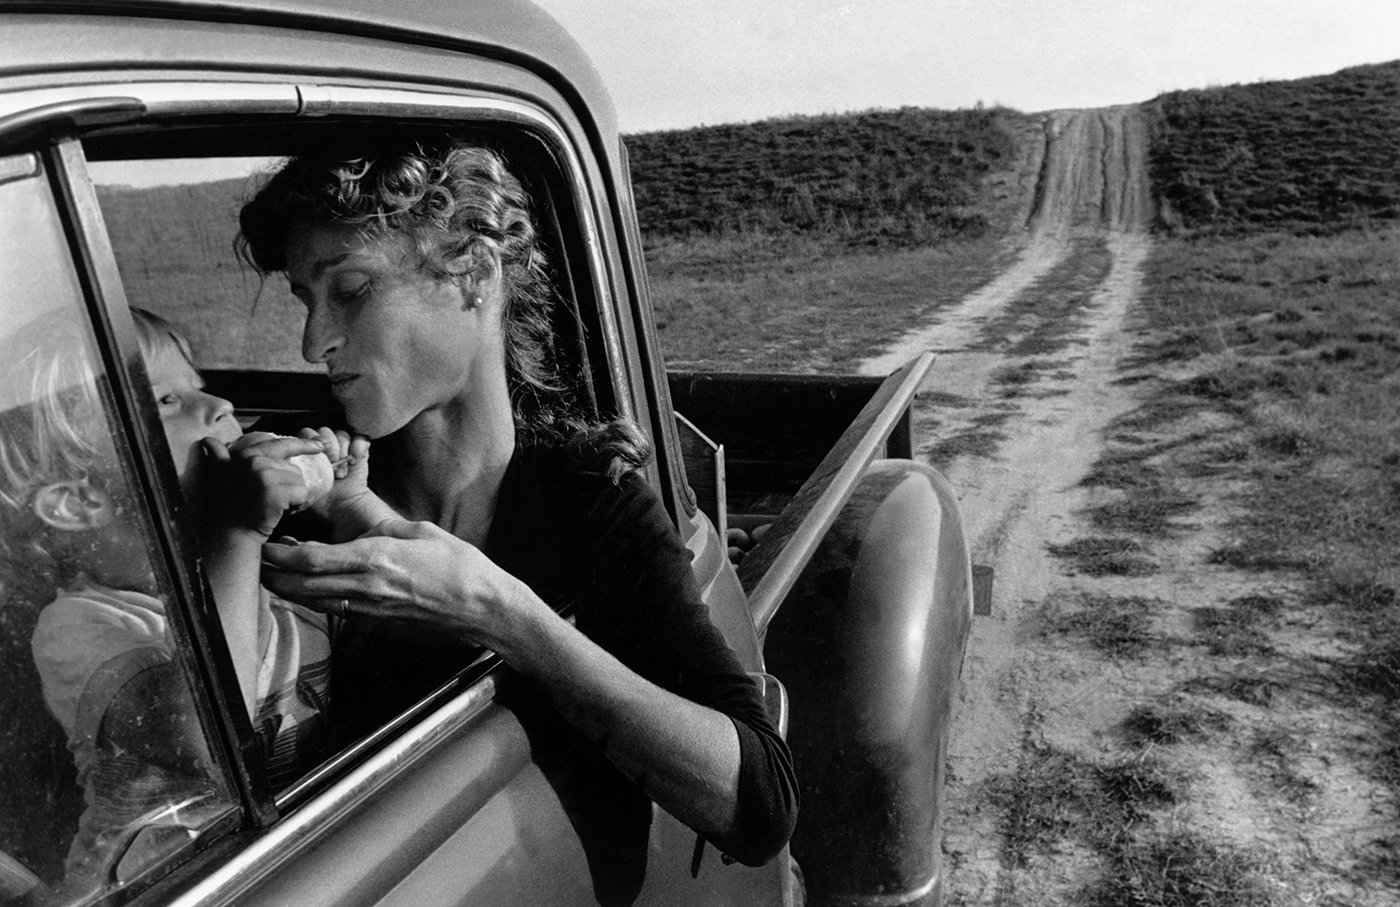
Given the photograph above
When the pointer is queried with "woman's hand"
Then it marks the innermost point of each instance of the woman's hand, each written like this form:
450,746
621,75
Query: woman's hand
251,482
408,571
684,755
350,509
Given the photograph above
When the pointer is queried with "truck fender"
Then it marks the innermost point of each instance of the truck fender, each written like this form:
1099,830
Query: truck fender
870,645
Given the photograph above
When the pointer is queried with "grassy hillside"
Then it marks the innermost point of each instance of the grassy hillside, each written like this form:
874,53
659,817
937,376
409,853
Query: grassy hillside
174,248
1309,155
1280,297
883,178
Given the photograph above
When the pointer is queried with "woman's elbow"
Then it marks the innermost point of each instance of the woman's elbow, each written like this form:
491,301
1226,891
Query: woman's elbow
765,820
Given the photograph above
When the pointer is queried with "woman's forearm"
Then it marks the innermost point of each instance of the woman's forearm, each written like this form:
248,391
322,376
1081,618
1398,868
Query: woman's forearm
684,755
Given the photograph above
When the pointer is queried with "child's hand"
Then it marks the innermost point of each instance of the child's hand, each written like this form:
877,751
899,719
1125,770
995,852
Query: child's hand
252,483
350,508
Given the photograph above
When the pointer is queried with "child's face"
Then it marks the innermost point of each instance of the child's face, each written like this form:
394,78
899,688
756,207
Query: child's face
188,414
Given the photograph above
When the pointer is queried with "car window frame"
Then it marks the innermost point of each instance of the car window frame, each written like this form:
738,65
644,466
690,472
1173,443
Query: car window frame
61,166
131,106
194,618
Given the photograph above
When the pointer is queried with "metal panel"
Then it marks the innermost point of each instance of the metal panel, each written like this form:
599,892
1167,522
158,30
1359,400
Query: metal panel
771,569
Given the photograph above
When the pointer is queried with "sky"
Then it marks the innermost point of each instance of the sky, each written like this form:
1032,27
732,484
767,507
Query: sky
678,63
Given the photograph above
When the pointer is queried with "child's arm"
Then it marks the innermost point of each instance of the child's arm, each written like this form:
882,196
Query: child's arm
248,487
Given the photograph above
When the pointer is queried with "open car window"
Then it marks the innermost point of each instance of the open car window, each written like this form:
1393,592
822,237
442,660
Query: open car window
106,768
172,224
171,212
165,204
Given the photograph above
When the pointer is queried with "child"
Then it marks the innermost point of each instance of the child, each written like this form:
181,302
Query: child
103,647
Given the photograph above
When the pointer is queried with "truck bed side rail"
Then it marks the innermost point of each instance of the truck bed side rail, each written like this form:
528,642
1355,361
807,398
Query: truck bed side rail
769,571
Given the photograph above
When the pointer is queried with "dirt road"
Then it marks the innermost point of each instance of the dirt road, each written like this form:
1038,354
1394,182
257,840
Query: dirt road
1092,188
1054,741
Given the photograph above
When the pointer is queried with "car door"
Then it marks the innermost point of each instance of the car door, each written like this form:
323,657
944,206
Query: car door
448,803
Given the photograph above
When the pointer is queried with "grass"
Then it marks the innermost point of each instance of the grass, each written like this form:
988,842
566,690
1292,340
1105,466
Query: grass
1164,724
1120,810
1152,512
1260,689
1116,625
789,304
1105,556
1151,502
1289,344
883,178
1181,869
1314,155
974,443
1231,632
1055,795
1018,380
983,438
1044,319
174,247
1272,752
1320,435
808,243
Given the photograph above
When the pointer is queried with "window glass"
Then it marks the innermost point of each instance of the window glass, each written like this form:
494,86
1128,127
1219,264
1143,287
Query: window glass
104,767
172,225
172,221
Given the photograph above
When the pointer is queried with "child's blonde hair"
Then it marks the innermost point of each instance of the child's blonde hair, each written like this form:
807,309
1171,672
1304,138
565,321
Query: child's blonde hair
55,428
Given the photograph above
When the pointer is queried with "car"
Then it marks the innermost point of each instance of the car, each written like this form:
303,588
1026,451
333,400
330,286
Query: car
128,134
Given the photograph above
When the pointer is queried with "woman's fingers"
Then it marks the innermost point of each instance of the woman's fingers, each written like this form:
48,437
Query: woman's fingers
320,593
405,529
366,571
316,558
330,444
372,551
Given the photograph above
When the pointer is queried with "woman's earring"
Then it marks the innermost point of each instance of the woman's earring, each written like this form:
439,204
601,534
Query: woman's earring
472,302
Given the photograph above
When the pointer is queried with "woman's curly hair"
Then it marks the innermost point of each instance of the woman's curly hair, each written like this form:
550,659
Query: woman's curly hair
449,199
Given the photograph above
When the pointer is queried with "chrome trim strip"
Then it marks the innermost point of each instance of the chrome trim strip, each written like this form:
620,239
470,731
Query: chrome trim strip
305,787
886,900
165,98
18,167
67,117
283,842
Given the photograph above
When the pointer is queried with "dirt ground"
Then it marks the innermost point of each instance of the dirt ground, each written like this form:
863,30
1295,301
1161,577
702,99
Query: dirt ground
1027,395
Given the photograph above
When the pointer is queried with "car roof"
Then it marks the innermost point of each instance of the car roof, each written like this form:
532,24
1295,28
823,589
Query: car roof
516,31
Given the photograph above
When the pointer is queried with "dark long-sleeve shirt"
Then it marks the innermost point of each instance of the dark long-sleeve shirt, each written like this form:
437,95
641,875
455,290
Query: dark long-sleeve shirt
609,555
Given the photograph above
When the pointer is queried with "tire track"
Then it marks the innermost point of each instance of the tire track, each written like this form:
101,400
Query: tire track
1092,188
1092,179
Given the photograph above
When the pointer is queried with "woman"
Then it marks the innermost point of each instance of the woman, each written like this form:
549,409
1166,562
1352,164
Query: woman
491,501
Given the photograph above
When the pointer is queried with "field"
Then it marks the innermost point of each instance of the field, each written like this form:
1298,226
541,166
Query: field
743,278
883,178
1310,155
1231,564
1189,691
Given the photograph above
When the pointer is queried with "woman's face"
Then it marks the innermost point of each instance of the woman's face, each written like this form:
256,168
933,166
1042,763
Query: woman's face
396,341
